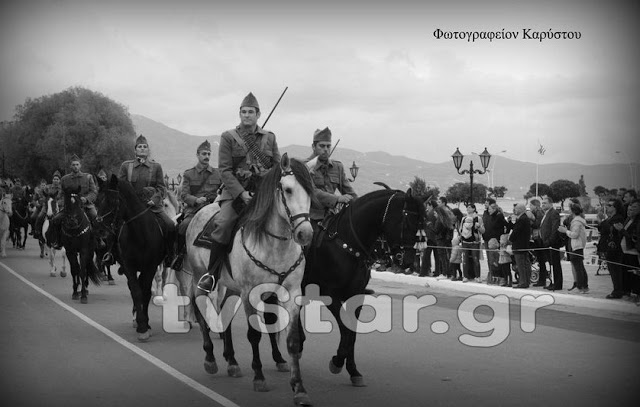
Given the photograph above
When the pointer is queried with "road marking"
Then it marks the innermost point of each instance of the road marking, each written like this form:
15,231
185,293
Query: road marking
218,398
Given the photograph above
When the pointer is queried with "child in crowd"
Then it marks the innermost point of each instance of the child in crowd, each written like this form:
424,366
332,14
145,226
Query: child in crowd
492,278
505,262
455,272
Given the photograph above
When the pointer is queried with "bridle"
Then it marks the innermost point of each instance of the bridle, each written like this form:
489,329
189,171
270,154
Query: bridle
305,218
82,231
304,215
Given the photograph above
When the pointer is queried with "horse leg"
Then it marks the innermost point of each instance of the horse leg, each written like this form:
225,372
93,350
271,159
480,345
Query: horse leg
142,312
233,369
63,273
346,349
270,319
254,336
136,296
294,348
210,365
73,264
85,259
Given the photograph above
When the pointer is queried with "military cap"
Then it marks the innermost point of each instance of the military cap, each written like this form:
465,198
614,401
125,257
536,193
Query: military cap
250,101
322,135
74,158
102,174
204,146
57,174
141,140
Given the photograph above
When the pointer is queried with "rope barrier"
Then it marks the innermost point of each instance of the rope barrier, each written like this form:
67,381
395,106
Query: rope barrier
533,249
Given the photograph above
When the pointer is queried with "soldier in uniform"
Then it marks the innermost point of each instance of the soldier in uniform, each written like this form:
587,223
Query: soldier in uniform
246,153
17,190
328,177
147,180
53,190
88,193
199,188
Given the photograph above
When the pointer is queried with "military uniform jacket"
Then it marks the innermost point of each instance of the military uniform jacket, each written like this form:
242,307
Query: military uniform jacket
88,189
146,178
199,181
329,178
236,165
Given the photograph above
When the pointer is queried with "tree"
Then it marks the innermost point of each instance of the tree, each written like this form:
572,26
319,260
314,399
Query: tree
543,189
563,189
582,186
459,192
420,188
497,192
48,130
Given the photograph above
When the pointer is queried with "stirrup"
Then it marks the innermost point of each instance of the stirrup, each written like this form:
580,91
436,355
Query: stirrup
206,283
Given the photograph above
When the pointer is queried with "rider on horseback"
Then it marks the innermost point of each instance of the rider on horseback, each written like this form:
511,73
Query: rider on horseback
53,190
245,154
88,192
199,188
328,176
147,179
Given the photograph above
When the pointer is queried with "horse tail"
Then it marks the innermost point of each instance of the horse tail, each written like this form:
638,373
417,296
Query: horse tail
93,273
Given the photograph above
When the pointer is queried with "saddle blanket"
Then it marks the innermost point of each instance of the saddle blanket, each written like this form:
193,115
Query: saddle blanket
204,237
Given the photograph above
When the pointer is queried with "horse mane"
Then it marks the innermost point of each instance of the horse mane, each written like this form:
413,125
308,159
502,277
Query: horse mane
256,215
129,195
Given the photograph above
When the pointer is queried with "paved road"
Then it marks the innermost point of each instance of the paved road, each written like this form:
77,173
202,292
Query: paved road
58,352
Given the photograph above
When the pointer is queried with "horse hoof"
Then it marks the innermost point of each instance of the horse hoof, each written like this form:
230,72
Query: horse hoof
302,399
41,256
75,297
211,367
260,386
83,300
358,381
144,336
333,368
234,371
282,367
63,274
112,282
53,274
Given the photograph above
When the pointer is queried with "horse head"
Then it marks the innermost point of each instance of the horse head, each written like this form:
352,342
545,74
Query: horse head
6,204
286,191
403,219
74,213
108,207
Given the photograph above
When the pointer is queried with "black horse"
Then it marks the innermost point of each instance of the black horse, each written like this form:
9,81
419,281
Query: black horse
340,259
77,240
139,243
20,222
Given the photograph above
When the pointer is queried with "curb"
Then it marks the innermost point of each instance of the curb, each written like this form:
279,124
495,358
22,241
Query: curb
566,299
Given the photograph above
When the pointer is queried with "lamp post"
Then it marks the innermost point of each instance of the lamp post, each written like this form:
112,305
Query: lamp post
354,172
485,157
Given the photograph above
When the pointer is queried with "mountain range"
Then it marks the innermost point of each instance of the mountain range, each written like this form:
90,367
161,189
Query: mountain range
176,151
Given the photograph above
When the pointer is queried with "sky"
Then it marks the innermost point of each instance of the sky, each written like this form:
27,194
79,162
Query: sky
373,72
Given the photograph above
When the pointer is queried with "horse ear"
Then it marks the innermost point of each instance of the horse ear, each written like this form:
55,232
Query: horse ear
113,183
285,163
409,193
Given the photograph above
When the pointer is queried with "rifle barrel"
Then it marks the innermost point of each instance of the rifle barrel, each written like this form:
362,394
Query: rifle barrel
274,107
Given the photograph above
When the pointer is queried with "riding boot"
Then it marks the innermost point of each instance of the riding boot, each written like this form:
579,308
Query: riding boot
180,250
208,280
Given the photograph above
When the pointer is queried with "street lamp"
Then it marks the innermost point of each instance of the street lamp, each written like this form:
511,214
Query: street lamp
485,157
179,179
354,172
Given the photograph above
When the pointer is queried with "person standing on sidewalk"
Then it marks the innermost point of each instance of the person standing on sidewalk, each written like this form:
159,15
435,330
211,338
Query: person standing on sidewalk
493,226
519,238
551,244
630,242
578,235
470,238
609,244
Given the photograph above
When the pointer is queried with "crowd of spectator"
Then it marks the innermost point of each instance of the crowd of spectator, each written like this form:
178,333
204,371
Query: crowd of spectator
457,242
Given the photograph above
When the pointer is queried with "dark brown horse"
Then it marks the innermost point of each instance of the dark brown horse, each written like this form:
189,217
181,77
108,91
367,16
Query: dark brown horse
340,259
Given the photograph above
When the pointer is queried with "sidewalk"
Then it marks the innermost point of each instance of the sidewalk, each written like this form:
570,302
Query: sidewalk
599,286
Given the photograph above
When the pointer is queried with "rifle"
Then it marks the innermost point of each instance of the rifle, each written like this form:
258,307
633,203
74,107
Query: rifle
274,107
